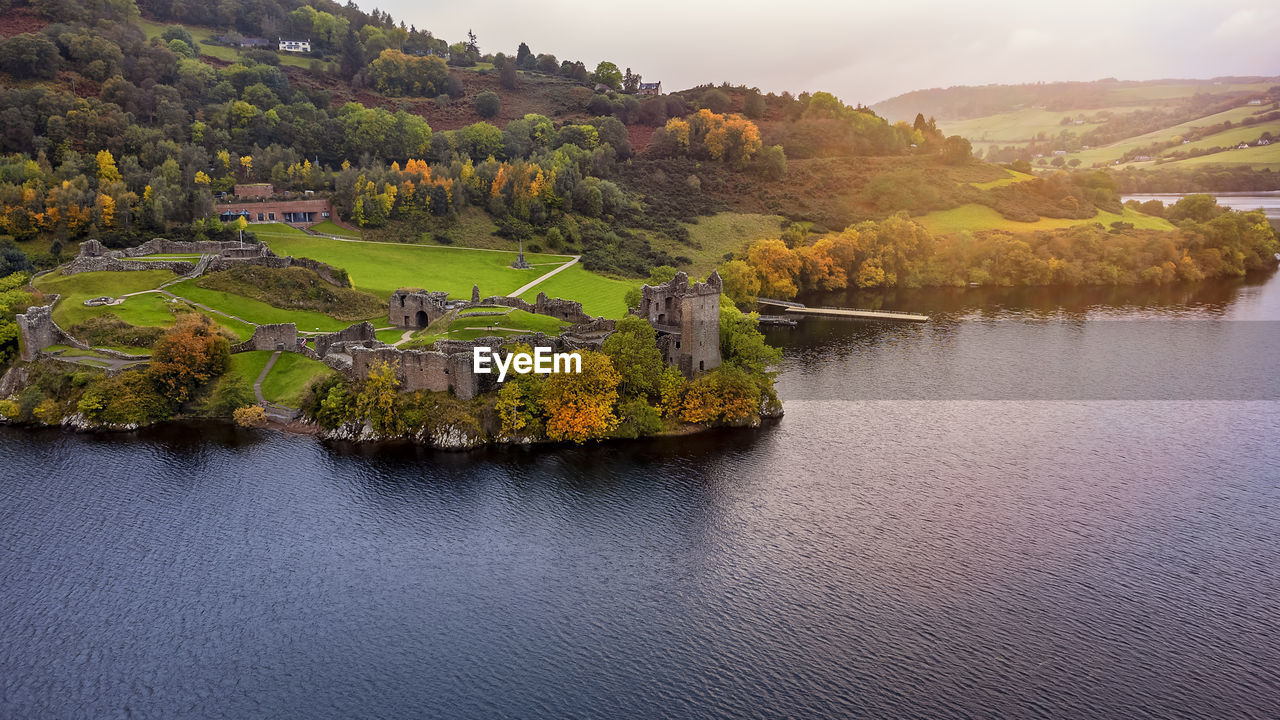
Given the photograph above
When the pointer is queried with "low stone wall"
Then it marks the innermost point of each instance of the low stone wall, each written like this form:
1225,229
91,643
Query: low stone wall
359,332
280,336
39,331
163,246
106,263
567,310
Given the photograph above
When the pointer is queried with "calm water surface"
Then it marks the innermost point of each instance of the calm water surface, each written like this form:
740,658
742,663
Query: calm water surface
1008,542
1267,201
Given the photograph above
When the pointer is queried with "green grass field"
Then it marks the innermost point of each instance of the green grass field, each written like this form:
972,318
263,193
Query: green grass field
248,365
1108,153
974,217
1266,157
256,311
150,309
1231,138
599,295
382,268
290,377
328,227
1013,177
713,236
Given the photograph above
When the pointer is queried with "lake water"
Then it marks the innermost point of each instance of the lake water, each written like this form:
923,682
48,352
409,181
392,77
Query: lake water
1268,202
1040,504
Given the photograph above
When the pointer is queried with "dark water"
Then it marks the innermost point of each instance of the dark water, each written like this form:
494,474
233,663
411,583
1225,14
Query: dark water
1090,550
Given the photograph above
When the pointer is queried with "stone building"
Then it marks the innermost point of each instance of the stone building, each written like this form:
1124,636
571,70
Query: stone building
416,308
687,318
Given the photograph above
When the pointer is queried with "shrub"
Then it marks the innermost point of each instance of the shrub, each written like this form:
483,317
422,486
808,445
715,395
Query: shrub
488,104
250,416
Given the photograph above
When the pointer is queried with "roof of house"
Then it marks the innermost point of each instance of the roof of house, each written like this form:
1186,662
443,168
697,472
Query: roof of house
650,86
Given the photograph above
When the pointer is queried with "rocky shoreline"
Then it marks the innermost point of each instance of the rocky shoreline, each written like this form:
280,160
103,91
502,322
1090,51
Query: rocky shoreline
450,438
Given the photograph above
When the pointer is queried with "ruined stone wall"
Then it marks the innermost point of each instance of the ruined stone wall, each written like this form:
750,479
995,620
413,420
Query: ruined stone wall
39,331
359,332
280,336
404,306
106,263
163,246
567,310
420,369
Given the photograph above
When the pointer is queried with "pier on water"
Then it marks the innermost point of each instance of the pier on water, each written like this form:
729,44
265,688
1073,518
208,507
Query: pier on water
795,308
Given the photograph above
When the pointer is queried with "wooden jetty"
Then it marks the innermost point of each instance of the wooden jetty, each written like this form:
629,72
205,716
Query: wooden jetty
795,308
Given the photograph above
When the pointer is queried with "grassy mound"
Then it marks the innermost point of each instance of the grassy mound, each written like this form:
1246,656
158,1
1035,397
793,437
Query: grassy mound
294,288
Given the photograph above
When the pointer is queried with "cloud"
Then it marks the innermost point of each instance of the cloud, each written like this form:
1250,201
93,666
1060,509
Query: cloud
866,52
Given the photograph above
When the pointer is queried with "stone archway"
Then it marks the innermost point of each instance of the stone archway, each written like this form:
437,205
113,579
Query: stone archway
422,319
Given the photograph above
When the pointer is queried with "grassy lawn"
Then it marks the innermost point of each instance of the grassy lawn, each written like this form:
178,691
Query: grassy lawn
980,217
248,365
290,377
155,258
390,336
147,309
382,268
328,227
256,311
599,295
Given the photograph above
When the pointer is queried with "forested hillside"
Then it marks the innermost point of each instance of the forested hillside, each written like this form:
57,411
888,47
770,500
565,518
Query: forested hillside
125,120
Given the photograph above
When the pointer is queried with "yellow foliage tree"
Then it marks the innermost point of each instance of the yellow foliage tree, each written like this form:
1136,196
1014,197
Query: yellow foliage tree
107,171
580,406
777,266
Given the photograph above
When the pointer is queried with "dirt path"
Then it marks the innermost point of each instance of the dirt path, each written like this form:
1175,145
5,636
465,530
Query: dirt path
404,338
534,284
257,384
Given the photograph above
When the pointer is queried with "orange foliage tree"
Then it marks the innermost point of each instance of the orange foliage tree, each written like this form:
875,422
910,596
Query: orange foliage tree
579,406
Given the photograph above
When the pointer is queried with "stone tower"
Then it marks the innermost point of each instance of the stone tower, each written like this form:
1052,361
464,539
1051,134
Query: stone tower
687,318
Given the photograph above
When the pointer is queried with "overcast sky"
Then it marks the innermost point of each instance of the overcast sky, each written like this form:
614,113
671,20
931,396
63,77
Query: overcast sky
865,52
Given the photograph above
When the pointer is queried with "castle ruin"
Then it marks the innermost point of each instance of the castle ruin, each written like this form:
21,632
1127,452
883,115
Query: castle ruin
687,318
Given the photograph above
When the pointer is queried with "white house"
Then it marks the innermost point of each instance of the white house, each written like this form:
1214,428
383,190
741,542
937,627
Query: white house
303,46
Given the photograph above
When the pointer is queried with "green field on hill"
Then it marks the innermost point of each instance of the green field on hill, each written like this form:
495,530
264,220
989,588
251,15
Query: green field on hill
382,268
714,235
980,217
1266,157
204,36
1109,153
150,309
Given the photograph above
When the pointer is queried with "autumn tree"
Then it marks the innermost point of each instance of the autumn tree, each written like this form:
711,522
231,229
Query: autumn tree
187,357
777,266
580,406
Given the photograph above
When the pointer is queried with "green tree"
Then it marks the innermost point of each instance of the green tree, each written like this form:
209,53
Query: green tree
488,104
608,74
633,348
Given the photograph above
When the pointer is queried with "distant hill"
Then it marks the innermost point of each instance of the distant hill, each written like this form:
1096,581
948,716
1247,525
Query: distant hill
1226,122
967,102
